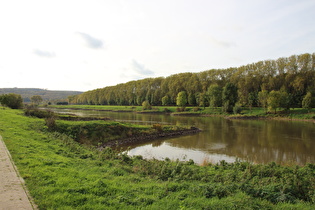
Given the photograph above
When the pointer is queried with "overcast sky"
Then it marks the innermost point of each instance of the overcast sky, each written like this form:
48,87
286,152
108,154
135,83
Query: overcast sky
84,45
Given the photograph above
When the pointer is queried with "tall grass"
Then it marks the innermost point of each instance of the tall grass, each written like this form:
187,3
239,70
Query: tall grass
63,174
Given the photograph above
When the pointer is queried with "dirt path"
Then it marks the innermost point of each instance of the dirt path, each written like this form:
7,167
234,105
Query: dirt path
13,193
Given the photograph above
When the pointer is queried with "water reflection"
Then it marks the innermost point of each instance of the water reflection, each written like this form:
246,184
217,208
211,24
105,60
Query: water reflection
258,141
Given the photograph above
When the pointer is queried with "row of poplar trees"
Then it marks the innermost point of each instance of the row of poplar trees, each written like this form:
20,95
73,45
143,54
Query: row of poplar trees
288,78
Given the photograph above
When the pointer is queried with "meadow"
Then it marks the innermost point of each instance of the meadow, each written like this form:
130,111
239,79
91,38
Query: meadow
61,173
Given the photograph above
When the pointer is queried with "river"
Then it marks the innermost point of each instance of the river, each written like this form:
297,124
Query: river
257,141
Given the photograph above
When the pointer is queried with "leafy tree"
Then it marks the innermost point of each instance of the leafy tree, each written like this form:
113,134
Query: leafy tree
252,99
263,99
277,99
307,101
229,97
181,99
191,99
215,95
201,99
36,99
285,100
166,100
12,100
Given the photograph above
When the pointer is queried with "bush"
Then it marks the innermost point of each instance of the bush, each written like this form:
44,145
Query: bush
180,109
62,103
35,112
196,109
12,100
146,105
167,110
157,127
51,123
237,109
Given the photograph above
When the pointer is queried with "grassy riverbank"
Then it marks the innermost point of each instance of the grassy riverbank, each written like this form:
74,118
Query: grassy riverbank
63,174
293,114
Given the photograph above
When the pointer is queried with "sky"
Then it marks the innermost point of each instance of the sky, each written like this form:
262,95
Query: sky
84,45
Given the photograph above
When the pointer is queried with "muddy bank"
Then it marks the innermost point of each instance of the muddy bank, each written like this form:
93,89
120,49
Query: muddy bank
148,137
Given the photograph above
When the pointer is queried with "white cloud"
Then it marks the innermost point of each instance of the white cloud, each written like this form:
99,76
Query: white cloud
43,53
90,41
141,69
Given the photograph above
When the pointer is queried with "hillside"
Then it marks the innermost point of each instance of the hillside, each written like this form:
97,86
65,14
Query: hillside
47,95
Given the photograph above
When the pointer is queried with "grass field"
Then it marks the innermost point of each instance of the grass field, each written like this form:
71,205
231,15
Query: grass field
63,174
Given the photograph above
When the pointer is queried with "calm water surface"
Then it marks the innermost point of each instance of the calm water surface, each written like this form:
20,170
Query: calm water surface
258,141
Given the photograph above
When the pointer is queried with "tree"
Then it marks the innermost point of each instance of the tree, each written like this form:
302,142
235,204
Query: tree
277,99
229,97
252,98
192,99
12,100
215,95
263,99
36,99
307,101
201,99
166,100
181,99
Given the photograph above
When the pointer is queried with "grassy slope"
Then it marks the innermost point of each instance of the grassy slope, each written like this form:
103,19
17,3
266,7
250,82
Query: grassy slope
62,174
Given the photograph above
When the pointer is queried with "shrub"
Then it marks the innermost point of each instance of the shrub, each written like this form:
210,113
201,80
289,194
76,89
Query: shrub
157,127
166,110
35,112
146,105
237,109
196,109
51,123
180,109
12,100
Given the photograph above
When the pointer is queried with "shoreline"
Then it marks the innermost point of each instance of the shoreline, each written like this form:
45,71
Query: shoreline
148,137
192,114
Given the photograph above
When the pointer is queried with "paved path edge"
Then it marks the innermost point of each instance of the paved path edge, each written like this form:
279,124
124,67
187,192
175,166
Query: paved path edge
21,180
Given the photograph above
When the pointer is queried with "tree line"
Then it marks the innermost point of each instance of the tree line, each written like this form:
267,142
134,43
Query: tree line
287,82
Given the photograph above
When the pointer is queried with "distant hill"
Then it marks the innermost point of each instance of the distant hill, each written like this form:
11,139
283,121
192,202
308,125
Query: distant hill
47,95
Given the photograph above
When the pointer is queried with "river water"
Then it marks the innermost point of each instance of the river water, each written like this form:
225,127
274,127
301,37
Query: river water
258,141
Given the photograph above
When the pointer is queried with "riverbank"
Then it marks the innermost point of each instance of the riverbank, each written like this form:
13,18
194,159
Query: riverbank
63,174
297,114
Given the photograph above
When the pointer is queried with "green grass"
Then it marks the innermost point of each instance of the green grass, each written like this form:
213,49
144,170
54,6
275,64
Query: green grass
63,174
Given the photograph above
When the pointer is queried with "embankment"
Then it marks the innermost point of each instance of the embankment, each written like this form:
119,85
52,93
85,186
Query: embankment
149,137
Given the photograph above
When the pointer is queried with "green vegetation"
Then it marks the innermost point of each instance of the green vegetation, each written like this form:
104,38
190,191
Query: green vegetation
14,101
181,99
248,86
307,101
146,105
36,99
63,174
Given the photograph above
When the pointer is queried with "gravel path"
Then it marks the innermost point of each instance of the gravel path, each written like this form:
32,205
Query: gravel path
13,193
